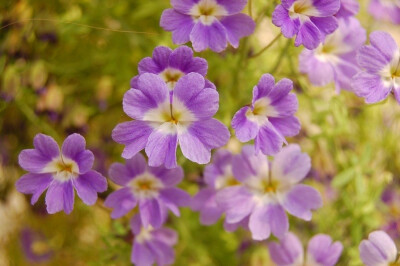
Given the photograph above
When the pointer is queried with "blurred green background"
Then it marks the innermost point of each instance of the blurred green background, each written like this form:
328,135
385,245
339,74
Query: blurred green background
58,78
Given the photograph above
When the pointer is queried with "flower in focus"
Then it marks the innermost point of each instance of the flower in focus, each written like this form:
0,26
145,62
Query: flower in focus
388,10
151,188
217,175
35,246
267,190
379,249
161,123
381,64
207,23
309,20
320,251
152,245
171,65
270,117
348,8
335,58
60,172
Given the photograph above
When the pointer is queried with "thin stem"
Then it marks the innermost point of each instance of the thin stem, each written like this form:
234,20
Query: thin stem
251,8
266,47
281,55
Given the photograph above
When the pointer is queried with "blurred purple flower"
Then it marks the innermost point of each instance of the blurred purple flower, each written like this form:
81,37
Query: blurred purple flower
152,245
320,251
309,20
207,23
171,65
270,117
217,176
385,10
60,172
335,58
379,249
161,123
381,64
267,190
152,189
34,245
348,8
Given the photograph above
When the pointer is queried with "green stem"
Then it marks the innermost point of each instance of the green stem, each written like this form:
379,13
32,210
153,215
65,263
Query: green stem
266,47
281,55
251,8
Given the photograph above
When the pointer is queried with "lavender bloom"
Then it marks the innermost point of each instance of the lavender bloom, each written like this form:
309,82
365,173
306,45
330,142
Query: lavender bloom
385,10
217,176
207,23
379,249
161,123
60,172
270,117
335,58
320,251
348,8
151,188
171,65
152,245
381,64
35,246
267,190
309,20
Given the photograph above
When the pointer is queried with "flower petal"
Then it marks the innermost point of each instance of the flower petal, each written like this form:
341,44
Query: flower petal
321,250
74,147
161,147
300,200
87,185
122,201
212,36
34,184
288,251
122,173
141,255
150,213
60,196
308,35
182,58
181,25
237,26
245,129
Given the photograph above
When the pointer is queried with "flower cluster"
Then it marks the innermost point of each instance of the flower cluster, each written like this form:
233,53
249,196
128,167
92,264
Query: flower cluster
172,104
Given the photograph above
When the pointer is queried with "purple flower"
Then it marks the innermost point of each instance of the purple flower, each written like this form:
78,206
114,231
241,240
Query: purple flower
207,23
320,251
379,249
309,20
35,246
348,8
171,65
217,176
152,245
385,10
270,117
60,172
381,64
153,189
267,190
335,58
160,123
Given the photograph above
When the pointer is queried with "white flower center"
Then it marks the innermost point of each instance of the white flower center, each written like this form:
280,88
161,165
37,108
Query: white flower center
62,168
303,9
144,234
226,179
262,109
171,76
170,118
207,11
145,186
391,72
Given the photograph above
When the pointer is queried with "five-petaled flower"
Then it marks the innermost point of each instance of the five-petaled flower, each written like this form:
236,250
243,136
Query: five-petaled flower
60,172
335,58
381,64
161,121
171,65
152,245
320,251
267,190
207,23
151,188
379,249
270,117
309,20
